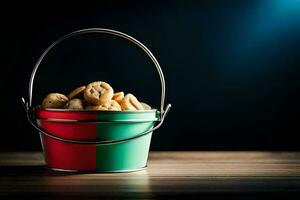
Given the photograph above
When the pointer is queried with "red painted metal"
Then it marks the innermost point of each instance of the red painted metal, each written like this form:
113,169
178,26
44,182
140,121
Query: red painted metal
69,156
70,130
61,114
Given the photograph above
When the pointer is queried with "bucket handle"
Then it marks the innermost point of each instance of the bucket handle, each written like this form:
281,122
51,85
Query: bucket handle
109,32
29,107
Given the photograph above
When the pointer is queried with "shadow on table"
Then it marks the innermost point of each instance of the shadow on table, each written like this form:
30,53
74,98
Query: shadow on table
13,170
36,170
47,184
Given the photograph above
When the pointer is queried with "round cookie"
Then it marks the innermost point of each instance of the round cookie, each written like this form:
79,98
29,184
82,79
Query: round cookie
77,93
97,93
130,102
112,105
118,96
54,100
74,104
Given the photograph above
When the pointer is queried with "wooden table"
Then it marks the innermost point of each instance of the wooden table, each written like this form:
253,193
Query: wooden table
169,175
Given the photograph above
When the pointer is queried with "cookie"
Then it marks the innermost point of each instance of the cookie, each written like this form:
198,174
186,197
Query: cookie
118,96
97,93
74,104
146,106
54,100
77,93
112,105
130,102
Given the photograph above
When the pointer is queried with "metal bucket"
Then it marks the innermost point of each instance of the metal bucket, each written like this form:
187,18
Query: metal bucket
102,141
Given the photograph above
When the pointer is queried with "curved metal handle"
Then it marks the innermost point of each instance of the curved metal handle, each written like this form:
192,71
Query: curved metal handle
109,32
104,142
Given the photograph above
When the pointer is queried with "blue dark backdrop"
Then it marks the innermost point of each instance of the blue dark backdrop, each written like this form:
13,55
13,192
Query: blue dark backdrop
231,67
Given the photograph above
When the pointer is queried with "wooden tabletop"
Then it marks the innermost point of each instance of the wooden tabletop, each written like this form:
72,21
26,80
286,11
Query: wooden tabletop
169,175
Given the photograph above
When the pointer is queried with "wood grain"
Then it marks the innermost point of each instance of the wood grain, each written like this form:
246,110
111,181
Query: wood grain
169,174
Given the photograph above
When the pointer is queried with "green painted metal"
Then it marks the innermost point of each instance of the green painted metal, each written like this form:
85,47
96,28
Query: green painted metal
125,156
151,115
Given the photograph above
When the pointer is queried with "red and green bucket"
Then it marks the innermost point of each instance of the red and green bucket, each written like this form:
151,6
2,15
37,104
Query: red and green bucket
102,141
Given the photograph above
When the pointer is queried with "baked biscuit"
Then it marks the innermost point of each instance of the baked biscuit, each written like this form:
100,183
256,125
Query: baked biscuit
112,105
97,93
118,96
146,106
74,104
54,100
77,93
130,102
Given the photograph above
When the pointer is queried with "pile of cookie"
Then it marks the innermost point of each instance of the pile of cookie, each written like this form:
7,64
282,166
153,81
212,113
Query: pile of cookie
97,95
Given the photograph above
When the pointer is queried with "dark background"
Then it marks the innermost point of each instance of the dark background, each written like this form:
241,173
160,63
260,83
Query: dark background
231,67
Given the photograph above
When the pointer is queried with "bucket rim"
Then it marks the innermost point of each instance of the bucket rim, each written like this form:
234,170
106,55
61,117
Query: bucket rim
78,171
95,121
96,111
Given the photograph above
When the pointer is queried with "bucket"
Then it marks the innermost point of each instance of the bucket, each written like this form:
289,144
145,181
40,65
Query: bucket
101,141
